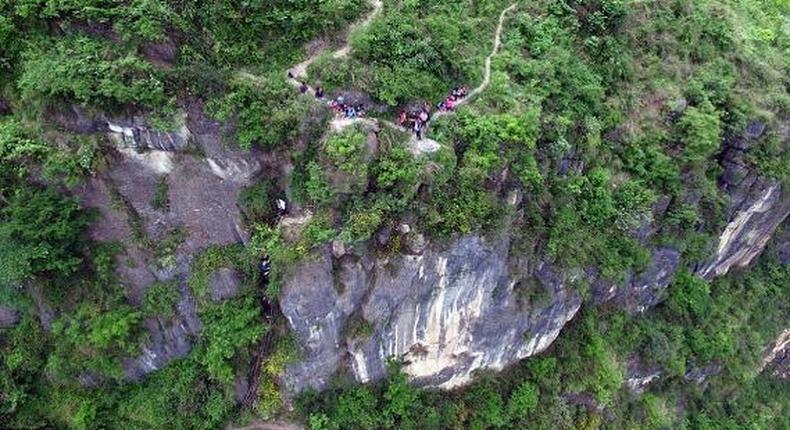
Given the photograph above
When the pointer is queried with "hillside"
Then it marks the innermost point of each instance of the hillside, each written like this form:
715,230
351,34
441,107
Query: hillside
394,214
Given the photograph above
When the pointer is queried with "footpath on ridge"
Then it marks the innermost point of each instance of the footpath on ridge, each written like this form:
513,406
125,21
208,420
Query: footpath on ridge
297,75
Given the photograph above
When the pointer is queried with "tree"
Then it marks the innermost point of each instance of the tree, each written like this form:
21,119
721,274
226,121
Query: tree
41,234
701,131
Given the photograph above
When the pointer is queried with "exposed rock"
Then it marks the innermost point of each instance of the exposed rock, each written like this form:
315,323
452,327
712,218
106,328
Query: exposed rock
129,131
423,146
750,226
9,316
158,162
75,119
404,228
638,376
90,379
416,243
777,356
444,313
163,54
293,225
677,109
44,309
515,197
700,375
168,339
783,247
312,306
755,129
225,284
384,234
338,248
602,289
135,133
646,290
237,170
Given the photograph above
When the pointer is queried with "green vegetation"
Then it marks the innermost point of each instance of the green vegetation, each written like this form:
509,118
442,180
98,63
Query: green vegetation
40,235
258,201
266,110
161,299
603,133
90,72
160,200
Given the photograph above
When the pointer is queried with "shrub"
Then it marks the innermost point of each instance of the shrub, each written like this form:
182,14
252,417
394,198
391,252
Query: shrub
522,401
701,128
160,299
258,201
317,189
40,235
90,72
266,110
228,328
160,199
346,151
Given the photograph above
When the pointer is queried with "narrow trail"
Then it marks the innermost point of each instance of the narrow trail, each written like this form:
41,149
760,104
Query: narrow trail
298,73
487,68
296,77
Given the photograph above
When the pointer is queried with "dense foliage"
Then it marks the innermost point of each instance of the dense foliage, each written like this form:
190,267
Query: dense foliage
603,133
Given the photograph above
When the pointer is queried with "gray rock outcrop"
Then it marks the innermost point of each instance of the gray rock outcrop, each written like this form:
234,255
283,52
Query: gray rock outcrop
443,314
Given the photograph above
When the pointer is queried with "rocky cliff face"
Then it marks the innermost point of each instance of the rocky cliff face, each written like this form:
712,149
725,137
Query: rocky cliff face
447,310
754,217
444,313
757,205
443,309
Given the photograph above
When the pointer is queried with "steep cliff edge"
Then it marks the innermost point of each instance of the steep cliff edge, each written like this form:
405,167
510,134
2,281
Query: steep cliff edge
450,309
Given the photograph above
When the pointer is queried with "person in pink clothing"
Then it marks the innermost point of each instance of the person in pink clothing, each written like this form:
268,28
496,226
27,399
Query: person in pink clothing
450,103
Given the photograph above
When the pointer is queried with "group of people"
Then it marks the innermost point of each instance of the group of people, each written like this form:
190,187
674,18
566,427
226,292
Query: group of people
348,110
338,104
453,98
418,120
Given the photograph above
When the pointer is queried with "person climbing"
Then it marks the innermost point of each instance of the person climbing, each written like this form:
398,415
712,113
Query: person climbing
303,87
282,207
319,93
265,266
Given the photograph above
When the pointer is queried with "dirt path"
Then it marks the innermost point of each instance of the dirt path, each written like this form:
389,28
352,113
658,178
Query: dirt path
269,426
487,69
298,73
